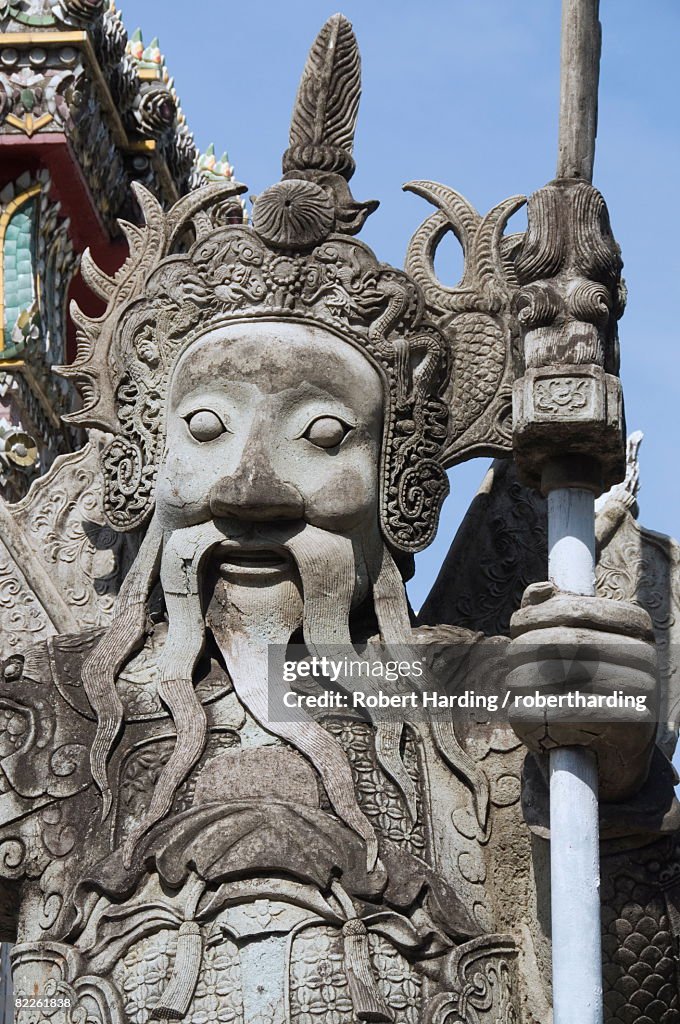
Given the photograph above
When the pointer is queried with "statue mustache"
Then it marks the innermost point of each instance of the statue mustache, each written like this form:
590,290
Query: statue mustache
243,623
181,556
320,556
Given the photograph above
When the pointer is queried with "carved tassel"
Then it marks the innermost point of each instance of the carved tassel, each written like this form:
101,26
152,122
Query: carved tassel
366,999
402,368
176,998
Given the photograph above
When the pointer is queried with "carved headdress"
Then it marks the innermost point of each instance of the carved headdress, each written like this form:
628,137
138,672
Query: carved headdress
190,271
445,355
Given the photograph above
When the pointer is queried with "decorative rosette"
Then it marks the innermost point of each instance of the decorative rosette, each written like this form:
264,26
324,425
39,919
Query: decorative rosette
294,214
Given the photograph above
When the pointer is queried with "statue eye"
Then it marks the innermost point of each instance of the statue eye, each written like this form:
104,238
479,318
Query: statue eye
205,425
327,431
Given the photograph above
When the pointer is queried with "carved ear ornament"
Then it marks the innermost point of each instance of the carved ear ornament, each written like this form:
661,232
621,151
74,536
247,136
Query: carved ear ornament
475,316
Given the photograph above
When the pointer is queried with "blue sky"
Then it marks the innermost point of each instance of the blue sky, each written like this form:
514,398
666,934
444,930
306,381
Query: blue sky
466,92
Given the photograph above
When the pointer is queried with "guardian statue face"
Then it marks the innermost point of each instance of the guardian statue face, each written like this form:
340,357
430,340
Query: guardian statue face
272,422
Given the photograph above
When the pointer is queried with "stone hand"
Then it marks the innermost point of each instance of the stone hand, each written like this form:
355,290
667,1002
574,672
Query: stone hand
582,672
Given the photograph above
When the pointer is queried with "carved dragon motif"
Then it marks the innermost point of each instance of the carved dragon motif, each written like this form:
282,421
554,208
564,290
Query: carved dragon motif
475,316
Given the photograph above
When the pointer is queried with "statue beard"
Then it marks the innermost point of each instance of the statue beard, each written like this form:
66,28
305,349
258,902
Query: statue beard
334,571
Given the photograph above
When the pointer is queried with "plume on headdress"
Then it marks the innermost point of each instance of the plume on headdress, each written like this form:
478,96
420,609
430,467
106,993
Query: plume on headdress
324,120
327,103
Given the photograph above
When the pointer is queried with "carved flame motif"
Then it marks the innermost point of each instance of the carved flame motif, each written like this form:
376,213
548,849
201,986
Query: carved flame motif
327,103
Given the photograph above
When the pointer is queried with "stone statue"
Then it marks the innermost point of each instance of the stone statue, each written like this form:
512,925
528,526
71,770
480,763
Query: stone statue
271,413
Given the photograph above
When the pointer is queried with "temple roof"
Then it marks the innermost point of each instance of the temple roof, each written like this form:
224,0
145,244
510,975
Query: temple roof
69,67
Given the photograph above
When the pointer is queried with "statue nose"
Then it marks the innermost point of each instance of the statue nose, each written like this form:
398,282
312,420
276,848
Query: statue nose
256,492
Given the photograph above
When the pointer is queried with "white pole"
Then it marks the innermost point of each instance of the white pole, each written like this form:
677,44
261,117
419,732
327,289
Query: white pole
574,821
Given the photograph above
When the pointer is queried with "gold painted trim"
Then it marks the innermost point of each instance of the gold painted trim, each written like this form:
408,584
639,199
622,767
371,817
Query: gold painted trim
42,38
149,75
28,124
143,146
5,218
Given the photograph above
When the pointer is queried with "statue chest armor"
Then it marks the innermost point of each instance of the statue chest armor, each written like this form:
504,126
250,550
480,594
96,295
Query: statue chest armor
253,903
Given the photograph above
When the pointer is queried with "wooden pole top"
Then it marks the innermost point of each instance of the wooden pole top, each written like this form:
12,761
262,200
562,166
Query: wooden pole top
579,80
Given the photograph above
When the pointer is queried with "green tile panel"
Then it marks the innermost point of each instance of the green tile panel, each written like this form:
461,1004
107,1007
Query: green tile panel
17,265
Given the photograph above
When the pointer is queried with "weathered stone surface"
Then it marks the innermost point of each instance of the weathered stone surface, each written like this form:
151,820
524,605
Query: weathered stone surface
500,548
570,297
280,408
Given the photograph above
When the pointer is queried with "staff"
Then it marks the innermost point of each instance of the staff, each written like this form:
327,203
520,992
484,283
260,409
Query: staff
568,441
574,817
